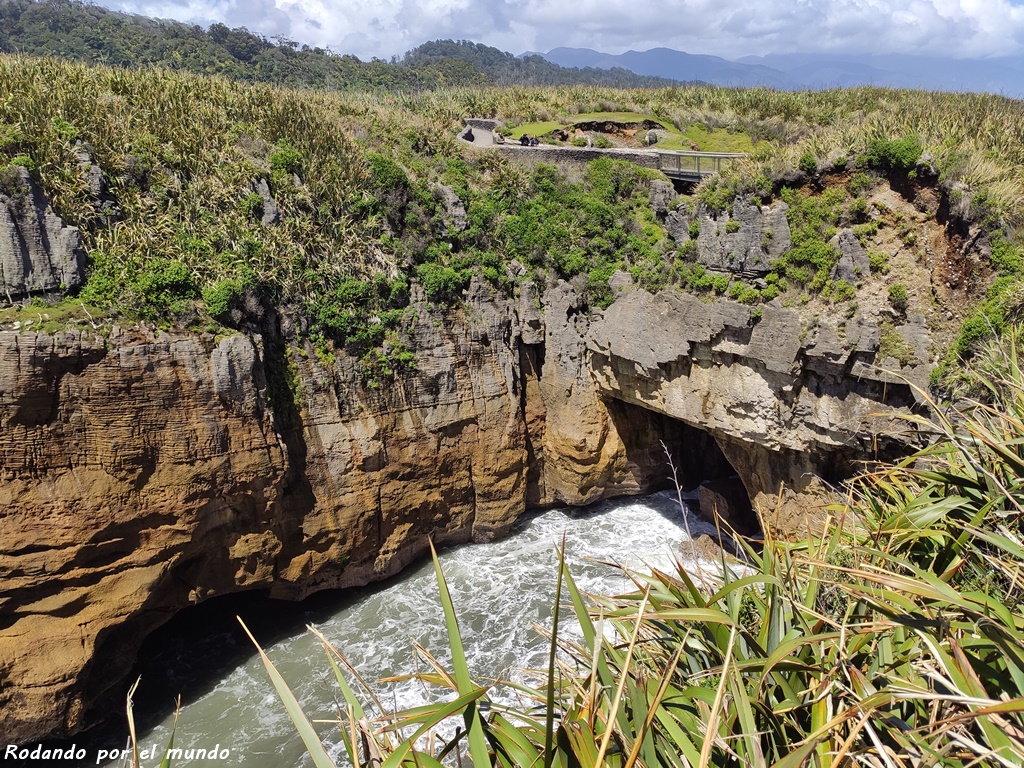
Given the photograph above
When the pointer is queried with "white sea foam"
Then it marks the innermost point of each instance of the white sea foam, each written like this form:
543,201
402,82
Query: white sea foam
500,590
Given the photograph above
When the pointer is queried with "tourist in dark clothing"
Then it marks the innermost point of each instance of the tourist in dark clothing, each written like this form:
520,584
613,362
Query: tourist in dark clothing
525,140
534,142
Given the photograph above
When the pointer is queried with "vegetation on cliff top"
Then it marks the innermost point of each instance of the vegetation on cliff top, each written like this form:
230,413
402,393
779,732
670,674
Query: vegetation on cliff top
371,188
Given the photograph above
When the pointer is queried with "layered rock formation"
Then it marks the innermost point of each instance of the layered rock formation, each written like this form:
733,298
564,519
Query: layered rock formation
39,253
744,243
791,403
143,472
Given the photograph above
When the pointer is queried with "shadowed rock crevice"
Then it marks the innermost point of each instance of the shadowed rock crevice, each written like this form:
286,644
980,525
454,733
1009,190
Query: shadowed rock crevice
700,464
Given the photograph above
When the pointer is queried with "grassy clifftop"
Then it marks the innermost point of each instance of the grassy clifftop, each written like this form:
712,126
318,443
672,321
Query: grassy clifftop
372,191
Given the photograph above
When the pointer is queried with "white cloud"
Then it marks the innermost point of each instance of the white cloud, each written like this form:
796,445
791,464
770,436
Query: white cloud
729,28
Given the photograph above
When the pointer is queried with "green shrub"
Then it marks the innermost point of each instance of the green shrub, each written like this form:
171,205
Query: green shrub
11,138
160,289
572,262
698,278
286,158
860,183
220,297
1006,257
24,161
694,229
579,141
251,206
808,163
831,198
891,344
798,275
602,142
440,283
64,130
900,155
898,297
749,295
732,225
879,261
718,193
821,255
599,293
720,284
864,231
843,291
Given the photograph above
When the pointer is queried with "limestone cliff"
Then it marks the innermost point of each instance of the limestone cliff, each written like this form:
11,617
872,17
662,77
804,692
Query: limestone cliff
39,253
791,402
144,472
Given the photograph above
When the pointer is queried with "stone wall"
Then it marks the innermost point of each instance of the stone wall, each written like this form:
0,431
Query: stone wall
546,153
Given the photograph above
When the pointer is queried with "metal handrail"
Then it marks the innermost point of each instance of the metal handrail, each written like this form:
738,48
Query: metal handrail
715,160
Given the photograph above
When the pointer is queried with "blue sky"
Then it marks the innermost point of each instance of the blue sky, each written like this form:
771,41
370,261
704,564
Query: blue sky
730,28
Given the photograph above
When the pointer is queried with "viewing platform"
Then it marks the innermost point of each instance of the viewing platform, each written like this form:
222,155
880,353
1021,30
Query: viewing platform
678,165
693,166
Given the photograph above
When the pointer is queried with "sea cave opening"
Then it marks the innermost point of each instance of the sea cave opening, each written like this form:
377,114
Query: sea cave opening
650,438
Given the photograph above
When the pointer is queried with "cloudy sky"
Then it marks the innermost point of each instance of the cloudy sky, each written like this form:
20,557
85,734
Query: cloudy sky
730,28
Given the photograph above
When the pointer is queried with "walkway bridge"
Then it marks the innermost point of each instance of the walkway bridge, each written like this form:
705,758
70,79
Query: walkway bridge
694,166
684,166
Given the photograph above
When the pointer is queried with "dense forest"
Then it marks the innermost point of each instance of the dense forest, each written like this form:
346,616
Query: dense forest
80,31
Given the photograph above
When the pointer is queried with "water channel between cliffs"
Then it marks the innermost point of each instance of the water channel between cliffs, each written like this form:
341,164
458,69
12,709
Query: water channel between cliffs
501,591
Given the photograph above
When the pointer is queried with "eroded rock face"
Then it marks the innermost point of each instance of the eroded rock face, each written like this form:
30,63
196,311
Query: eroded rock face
662,197
454,216
585,449
745,242
271,213
790,406
39,253
853,260
131,475
142,473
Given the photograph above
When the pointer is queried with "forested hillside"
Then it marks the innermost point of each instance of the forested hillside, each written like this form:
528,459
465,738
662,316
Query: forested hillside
81,31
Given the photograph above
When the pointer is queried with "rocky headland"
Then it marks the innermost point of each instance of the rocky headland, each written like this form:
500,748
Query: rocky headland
144,471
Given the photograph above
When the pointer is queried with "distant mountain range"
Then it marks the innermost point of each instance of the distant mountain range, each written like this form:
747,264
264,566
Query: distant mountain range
1003,75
